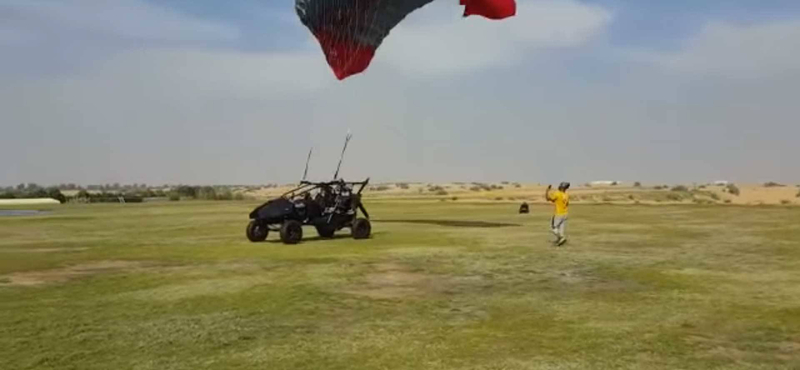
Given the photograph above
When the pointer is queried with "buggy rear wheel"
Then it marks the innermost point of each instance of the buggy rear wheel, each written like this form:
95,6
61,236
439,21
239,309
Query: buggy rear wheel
361,228
257,231
291,232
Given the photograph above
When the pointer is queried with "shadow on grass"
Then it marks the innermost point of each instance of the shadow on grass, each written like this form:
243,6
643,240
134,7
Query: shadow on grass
315,238
345,235
452,223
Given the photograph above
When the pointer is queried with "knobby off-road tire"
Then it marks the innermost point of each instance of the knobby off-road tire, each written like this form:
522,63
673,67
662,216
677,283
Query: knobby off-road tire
291,232
257,232
361,228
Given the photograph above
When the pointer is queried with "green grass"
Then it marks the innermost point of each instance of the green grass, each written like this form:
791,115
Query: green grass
440,285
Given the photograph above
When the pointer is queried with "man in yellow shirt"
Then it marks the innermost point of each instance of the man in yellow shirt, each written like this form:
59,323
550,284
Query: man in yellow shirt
559,221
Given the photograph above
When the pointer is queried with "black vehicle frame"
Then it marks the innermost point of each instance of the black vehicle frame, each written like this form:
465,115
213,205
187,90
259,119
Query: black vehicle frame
328,206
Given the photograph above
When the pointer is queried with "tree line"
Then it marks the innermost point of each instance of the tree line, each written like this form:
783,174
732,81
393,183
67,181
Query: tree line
114,193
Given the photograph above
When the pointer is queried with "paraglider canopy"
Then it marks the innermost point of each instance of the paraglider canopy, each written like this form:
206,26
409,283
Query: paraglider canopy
350,31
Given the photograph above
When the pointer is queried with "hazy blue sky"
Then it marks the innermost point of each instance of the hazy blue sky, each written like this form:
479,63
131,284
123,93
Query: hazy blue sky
213,92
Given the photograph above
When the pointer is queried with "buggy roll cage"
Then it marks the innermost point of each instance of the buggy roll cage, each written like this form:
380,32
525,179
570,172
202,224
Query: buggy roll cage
308,186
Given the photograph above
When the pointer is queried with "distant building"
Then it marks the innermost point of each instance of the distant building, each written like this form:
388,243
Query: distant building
605,183
721,183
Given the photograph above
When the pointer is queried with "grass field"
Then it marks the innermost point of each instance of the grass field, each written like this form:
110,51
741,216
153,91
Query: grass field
440,285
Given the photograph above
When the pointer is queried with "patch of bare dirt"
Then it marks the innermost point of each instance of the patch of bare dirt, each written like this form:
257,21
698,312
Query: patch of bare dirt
198,288
789,347
390,280
33,278
591,282
722,348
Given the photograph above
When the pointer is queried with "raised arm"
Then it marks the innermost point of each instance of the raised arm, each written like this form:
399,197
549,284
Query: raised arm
547,193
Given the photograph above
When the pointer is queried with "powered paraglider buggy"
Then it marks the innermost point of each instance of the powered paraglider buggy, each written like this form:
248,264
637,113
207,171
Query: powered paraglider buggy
328,206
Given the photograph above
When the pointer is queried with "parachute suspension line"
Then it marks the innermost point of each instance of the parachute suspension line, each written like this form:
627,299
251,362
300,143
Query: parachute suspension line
362,18
348,36
373,7
351,31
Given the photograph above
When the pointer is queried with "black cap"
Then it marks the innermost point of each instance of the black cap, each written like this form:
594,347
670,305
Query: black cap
564,185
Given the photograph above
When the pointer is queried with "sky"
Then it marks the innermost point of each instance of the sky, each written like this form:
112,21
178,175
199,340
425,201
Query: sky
211,92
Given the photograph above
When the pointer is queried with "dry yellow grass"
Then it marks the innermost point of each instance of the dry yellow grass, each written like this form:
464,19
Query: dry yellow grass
750,194
440,285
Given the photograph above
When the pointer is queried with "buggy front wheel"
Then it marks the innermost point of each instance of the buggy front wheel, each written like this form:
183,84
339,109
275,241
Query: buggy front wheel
257,231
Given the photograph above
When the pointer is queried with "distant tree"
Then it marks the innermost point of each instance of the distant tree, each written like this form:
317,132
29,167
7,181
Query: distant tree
637,184
32,186
224,194
186,191
21,187
38,193
205,192
54,193
674,197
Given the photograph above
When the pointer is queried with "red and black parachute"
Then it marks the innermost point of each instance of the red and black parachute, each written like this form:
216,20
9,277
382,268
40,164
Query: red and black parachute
350,31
